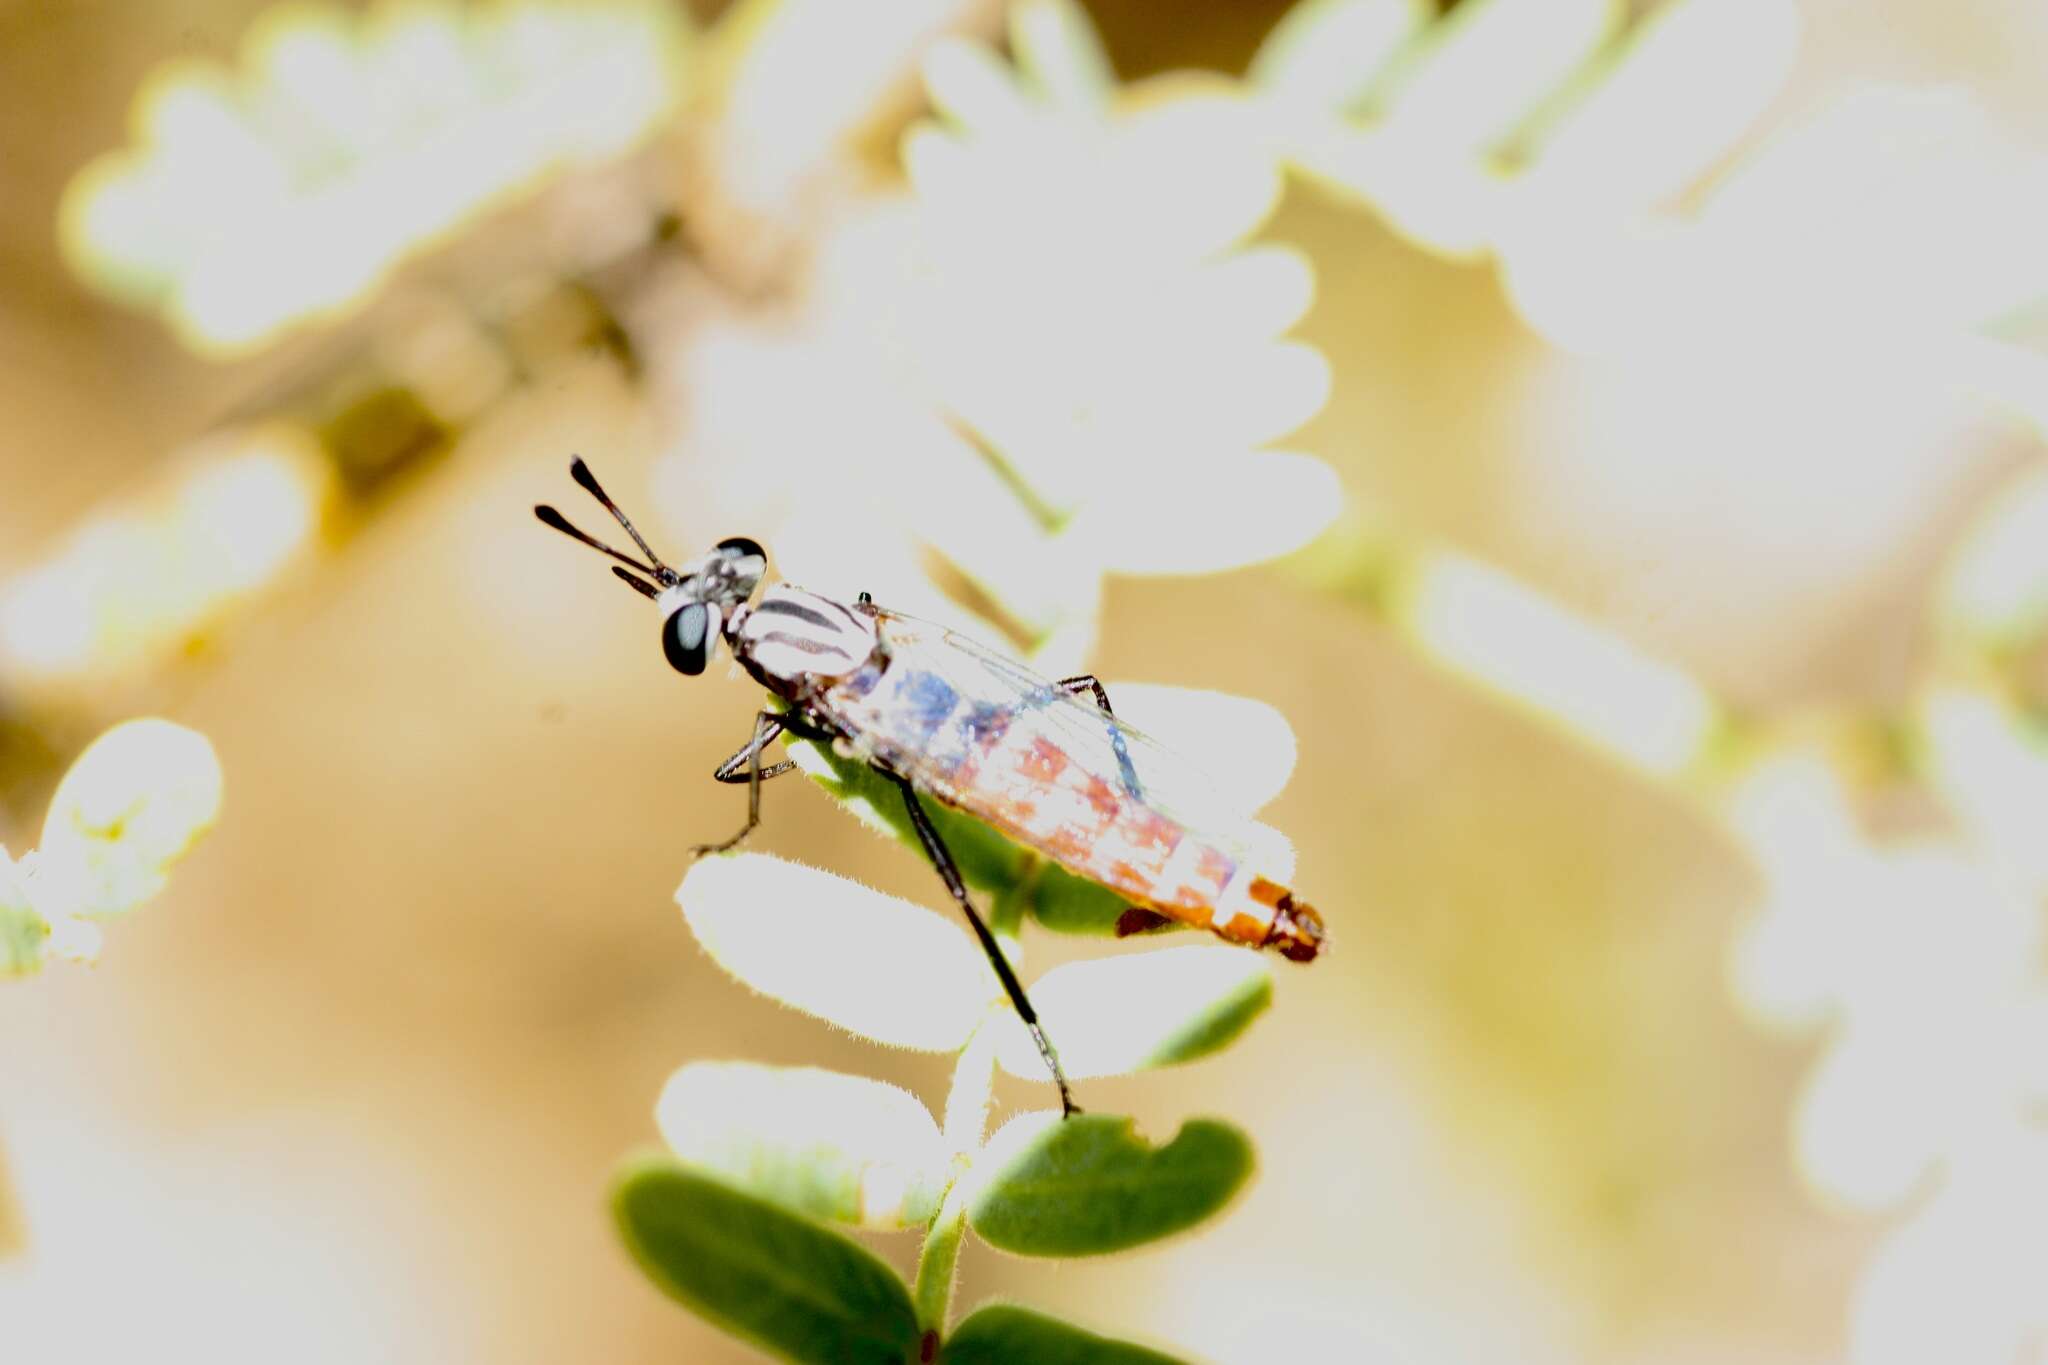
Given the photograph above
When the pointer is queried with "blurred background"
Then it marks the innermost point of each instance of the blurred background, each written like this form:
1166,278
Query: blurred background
1611,433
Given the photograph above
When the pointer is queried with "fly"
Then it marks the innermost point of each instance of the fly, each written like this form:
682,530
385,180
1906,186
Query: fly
1045,762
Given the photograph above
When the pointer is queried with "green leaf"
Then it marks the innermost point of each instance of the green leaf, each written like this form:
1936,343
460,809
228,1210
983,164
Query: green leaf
888,970
1112,1015
1001,1335
1067,904
1088,1185
987,859
818,1142
802,1291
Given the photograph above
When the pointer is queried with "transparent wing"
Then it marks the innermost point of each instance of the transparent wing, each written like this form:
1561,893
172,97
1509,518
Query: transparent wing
1130,761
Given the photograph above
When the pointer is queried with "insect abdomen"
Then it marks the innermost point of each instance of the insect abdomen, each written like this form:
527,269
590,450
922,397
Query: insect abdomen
988,759
1090,828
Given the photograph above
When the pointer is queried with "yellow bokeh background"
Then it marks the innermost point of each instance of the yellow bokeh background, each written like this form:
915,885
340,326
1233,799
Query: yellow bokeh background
1666,658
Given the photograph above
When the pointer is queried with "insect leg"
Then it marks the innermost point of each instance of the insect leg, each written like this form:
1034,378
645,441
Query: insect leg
730,770
1135,919
1088,682
935,848
767,725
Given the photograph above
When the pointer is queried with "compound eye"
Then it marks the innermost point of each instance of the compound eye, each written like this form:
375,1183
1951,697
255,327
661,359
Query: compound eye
688,635
745,560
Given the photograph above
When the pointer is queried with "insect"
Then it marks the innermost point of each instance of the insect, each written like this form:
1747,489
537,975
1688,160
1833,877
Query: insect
1045,762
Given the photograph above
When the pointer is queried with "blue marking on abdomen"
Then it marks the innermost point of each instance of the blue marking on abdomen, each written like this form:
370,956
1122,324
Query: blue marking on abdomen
924,701
985,723
1125,769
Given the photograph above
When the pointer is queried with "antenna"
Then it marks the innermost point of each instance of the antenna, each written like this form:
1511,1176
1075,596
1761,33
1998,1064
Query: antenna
653,568
639,584
580,472
550,517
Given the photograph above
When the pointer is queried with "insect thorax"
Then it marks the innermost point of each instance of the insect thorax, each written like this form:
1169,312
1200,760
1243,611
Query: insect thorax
792,638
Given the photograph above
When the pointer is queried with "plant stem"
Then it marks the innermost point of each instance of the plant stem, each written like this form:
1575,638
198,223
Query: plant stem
938,1259
973,1077
966,1116
1050,519
966,1119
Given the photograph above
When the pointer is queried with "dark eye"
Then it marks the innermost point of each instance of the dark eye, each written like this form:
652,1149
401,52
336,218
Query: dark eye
745,560
687,637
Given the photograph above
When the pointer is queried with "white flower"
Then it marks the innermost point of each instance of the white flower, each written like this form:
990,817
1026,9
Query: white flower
129,808
1055,358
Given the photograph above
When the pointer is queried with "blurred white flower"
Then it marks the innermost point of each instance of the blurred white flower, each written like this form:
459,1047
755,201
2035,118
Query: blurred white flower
1995,590
253,198
1920,956
22,931
1991,766
1923,960
1056,358
130,807
1966,1281
1889,218
1504,123
1887,226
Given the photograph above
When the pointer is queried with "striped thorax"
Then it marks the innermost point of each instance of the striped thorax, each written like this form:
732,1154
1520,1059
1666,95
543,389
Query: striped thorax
794,641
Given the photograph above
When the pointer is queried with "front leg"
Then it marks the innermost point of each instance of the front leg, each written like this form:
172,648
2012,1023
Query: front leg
739,768
767,725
